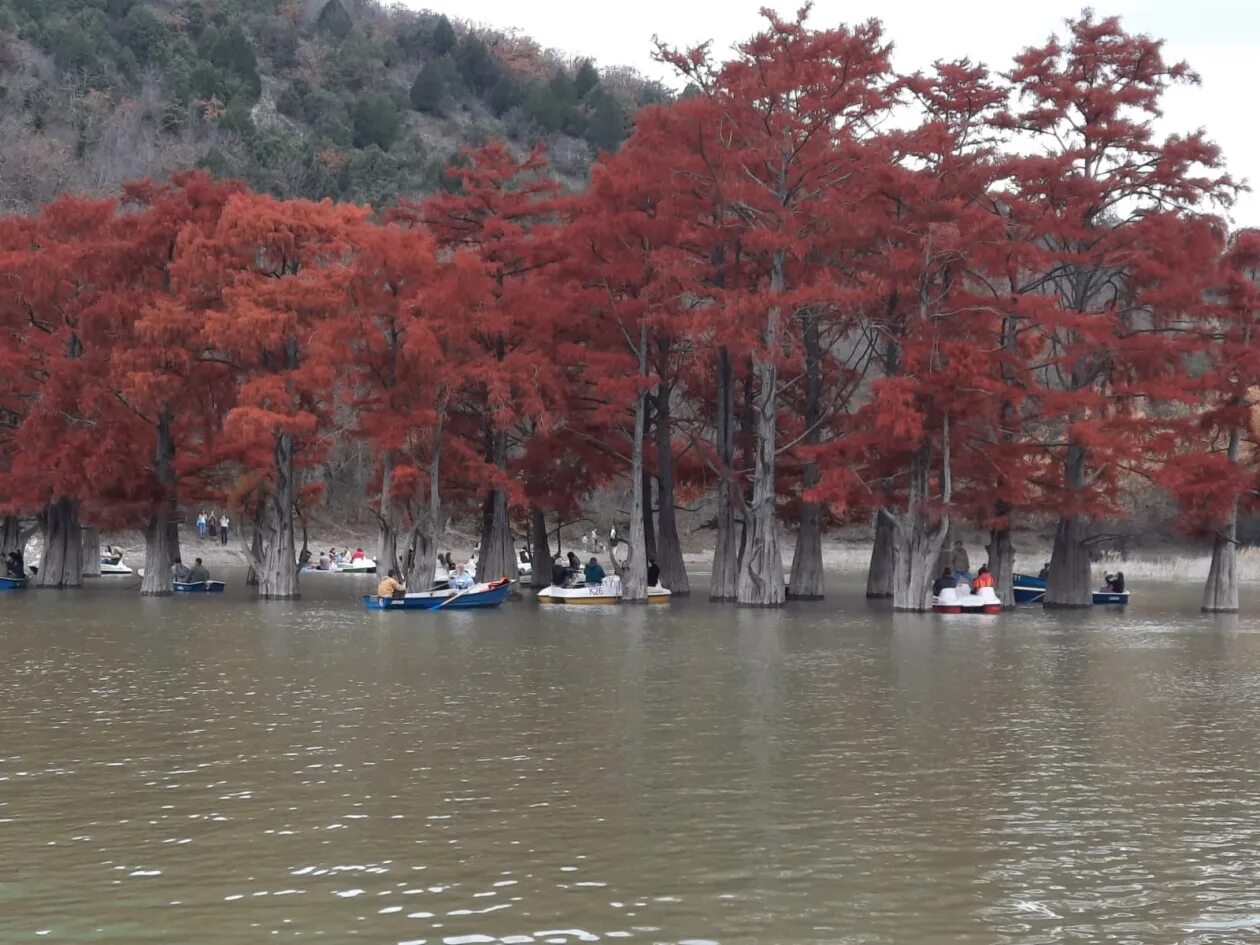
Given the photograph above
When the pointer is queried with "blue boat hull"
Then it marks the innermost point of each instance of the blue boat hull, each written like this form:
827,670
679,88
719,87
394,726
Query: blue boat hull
492,597
1032,590
12,584
201,587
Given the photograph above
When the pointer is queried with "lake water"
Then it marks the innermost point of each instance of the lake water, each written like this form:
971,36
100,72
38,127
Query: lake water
216,770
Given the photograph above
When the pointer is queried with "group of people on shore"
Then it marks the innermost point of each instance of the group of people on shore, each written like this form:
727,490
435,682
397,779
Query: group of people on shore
206,526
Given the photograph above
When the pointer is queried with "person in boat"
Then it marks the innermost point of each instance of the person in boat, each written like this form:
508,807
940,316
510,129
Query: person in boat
197,574
594,572
461,580
960,563
325,562
1114,583
946,579
391,586
560,573
14,566
179,572
113,555
1044,573
304,558
983,578
575,563
524,555
357,556
654,573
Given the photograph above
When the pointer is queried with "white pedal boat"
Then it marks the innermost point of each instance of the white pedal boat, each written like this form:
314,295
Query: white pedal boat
960,600
110,566
607,592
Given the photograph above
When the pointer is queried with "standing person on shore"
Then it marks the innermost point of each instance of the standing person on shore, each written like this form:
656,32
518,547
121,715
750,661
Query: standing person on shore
960,564
224,522
201,526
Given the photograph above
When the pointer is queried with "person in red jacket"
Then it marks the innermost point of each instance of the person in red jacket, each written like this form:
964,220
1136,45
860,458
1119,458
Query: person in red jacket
983,578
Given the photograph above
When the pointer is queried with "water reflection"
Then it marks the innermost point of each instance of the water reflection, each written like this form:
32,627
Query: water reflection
219,771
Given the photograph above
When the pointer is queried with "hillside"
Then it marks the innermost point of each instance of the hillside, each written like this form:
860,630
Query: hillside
300,98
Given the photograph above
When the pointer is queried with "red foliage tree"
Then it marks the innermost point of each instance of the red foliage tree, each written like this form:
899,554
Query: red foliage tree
268,275
1113,256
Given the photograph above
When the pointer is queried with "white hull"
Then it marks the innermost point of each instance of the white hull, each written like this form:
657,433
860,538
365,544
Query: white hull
609,592
111,568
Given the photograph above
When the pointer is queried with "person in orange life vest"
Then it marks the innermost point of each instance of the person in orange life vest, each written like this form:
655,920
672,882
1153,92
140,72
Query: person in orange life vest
983,578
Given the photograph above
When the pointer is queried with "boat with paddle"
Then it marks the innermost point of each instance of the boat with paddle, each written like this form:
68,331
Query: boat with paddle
1030,589
479,596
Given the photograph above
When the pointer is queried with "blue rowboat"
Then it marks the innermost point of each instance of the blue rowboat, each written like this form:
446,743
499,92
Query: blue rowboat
1032,590
12,584
480,596
200,587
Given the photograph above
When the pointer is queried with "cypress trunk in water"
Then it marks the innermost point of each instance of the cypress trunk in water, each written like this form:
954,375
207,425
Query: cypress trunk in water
277,569
157,559
726,547
879,577
668,546
61,559
539,549
91,552
1002,565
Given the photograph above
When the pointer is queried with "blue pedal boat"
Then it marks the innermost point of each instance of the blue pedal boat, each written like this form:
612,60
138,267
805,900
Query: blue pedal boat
12,584
479,596
1032,590
199,587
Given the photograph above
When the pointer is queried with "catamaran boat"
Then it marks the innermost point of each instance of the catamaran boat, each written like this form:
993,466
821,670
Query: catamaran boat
1032,590
960,600
608,591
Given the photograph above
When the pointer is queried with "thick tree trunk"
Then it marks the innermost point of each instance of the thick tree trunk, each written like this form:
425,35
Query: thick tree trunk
1002,565
916,549
761,565
158,559
918,545
634,577
668,545
278,571
649,522
879,576
498,557
161,536
255,554
1068,584
807,566
61,559
726,550
91,552
1220,594
539,549
387,521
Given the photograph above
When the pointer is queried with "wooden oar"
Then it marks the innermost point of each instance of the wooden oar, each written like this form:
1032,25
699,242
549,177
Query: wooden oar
456,596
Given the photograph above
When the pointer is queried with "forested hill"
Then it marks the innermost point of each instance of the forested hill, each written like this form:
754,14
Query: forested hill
300,98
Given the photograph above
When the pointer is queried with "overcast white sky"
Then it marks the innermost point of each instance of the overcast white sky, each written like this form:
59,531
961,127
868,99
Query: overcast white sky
1219,38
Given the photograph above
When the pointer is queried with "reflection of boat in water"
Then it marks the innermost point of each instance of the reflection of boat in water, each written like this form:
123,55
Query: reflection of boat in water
1032,590
199,587
960,600
479,596
608,591
12,584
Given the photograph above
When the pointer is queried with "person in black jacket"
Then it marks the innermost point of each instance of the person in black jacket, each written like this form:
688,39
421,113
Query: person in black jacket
559,573
946,579
654,573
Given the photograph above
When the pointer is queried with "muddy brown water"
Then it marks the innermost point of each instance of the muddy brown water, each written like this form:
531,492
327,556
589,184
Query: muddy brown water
216,770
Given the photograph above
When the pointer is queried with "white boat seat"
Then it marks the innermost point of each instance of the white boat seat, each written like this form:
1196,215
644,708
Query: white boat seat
949,595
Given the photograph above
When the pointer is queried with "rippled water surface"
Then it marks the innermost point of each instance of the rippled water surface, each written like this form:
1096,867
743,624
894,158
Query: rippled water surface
215,770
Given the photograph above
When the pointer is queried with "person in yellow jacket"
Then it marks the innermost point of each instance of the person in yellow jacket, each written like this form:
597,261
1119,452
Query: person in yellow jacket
391,586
